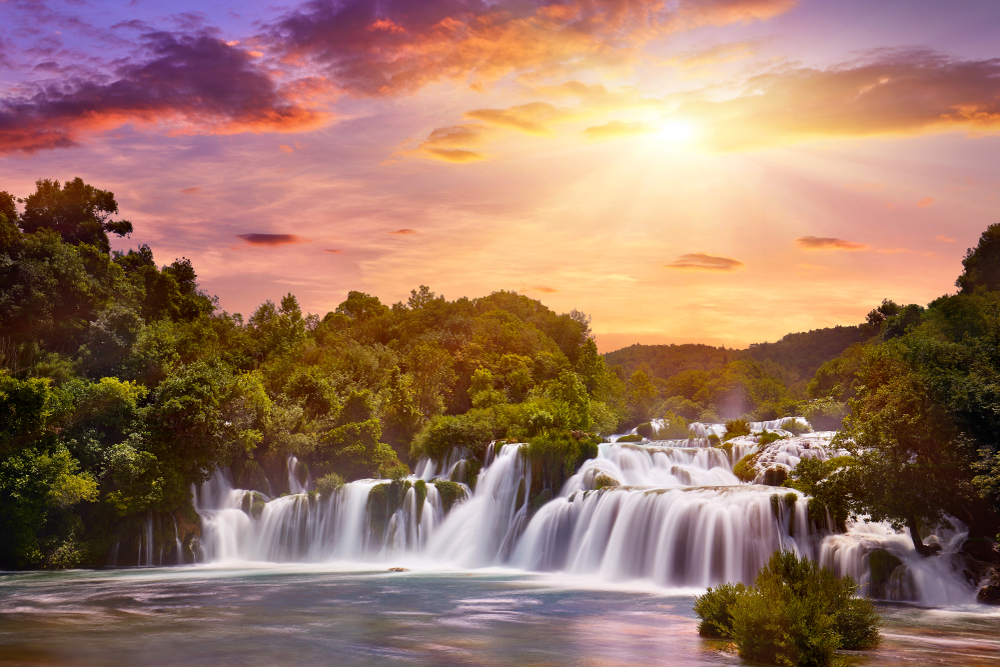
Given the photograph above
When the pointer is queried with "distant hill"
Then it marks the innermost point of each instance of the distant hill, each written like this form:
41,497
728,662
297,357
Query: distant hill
800,353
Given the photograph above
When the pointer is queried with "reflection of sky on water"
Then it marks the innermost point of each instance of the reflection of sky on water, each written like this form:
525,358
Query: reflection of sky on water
292,616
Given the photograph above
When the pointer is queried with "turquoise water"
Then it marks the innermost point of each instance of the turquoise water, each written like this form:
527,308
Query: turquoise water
295,617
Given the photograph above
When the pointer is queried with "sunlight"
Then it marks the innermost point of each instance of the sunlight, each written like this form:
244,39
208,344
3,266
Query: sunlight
677,132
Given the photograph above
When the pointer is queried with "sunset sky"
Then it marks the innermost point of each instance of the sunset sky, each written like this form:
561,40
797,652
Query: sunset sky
718,171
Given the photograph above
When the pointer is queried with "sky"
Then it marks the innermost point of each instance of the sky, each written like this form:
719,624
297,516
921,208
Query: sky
713,171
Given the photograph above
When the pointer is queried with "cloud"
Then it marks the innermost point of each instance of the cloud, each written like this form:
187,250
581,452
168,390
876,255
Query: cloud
400,46
192,83
270,239
704,262
617,128
541,288
190,191
404,231
335,251
825,243
453,143
527,118
908,251
944,239
286,149
925,202
889,92
717,54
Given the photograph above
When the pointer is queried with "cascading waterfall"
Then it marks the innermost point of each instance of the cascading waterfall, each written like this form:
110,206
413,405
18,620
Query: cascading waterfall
672,512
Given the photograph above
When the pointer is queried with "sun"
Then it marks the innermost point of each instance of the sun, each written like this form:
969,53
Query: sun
677,132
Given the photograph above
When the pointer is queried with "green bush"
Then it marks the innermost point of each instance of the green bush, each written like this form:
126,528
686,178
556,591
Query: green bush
631,437
736,428
744,468
450,493
329,484
796,614
795,427
675,428
767,437
645,430
714,608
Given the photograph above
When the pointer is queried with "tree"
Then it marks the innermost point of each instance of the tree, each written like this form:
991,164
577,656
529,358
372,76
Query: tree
910,470
982,263
78,212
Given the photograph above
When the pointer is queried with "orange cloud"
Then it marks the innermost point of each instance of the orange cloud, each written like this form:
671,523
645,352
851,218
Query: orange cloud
617,128
541,288
817,243
527,118
191,84
404,231
717,54
705,262
925,202
190,191
270,239
944,239
388,48
335,251
889,93
286,149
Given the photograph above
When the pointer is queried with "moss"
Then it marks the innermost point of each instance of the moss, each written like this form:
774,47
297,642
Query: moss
539,500
645,430
744,468
631,437
713,441
420,488
727,447
473,467
603,481
450,493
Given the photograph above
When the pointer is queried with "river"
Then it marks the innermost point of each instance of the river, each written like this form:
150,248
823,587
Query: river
291,616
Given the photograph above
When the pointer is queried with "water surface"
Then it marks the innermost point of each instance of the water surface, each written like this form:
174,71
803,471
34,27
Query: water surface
299,616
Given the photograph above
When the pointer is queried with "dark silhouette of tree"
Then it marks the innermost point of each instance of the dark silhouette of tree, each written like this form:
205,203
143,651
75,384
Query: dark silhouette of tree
982,263
78,212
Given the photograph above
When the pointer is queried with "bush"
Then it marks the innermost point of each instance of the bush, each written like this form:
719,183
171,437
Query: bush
796,613
736,428
675,428
645,430
767,437
329,484
825,414
744,468
714,608
631,437
795,427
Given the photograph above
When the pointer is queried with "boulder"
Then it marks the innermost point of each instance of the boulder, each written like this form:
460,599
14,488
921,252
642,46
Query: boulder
989,594
982,549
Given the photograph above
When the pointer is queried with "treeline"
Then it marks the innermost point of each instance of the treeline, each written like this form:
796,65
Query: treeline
123,384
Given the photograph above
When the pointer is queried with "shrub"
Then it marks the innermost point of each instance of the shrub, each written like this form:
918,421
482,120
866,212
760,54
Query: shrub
450,493
675,427
795,427
631,437
645,430
714,608
329,484
744,468
767,437
796,613
736,428
825,414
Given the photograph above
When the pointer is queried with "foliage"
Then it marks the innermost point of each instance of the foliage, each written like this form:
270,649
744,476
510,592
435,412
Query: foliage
767,437
736,428
796,613
744,468
329,484
674,427
982,263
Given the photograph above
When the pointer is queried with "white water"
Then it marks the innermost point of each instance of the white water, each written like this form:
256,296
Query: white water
678,516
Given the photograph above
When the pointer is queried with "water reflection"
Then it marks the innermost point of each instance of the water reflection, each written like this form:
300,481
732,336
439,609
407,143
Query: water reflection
292,617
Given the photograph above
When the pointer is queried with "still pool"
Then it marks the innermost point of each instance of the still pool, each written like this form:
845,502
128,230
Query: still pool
291,617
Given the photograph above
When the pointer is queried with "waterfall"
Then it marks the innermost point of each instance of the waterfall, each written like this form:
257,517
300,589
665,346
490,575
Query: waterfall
668,511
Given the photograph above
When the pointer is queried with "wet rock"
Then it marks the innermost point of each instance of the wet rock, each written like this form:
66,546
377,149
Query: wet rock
604,480
989,594
982,549
881,564
774,476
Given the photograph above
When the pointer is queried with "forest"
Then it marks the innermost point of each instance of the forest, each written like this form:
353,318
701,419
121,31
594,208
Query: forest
123,384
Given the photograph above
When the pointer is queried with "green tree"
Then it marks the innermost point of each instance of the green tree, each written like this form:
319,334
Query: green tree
982,263
78,212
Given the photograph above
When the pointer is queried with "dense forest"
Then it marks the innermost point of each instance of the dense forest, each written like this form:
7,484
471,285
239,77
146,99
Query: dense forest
122,384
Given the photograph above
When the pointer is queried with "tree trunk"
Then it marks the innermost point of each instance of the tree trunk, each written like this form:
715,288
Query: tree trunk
918,543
